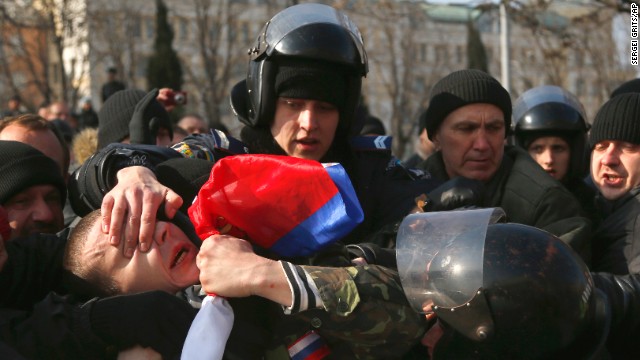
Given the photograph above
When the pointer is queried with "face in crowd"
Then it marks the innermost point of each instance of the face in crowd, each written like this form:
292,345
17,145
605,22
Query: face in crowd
305,128
169,264
37,209
615,167
472,141
552,153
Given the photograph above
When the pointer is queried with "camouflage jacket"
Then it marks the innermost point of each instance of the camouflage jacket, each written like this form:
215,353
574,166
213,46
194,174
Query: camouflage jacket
365,315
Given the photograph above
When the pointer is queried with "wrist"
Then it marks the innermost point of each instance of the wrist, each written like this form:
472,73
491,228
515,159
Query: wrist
268,280
135,172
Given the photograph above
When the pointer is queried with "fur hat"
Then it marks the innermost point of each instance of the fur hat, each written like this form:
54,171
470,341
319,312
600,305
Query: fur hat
464,87
22,167
617,119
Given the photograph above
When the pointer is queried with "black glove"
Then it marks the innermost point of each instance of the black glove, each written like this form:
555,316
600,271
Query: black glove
373,254
456,193
145,120
156,319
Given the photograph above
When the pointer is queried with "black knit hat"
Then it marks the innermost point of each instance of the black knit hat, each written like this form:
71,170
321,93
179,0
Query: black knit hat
185,176
627,87
311,80
462,88
617,119
22,166
115,115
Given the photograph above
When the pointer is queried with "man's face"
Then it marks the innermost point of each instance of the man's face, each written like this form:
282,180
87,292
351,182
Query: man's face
14,105
472,141
163,138
169,265
193,125
615,168
37,209
305,128
553,154
44,140
58,111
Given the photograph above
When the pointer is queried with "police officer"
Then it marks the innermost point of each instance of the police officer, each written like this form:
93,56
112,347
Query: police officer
550,123
543,303
300,99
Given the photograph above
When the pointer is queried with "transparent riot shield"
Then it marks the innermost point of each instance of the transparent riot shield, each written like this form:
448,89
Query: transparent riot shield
437,248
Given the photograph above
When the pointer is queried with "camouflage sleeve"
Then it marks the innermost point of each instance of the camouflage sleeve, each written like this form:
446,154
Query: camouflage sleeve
366,310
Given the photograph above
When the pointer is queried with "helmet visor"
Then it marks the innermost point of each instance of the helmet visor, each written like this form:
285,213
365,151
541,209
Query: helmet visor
318,17
547,94
440,255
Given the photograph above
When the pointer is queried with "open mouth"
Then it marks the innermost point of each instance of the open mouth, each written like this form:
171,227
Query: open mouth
610,177
180,256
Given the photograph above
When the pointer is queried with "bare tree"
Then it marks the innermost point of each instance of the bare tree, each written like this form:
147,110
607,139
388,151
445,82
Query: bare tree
122,32
577,49
401,67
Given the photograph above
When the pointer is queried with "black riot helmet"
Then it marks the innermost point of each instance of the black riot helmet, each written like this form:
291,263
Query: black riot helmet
536,299
552,111
314,38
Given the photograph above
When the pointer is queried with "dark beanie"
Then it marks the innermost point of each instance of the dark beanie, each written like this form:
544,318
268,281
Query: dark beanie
618,119
23,166
373,126
115,115
627,87
311,80
462,88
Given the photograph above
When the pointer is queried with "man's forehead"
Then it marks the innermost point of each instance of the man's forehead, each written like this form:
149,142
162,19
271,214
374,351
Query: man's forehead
35,189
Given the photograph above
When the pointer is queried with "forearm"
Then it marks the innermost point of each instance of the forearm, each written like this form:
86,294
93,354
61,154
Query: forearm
268,280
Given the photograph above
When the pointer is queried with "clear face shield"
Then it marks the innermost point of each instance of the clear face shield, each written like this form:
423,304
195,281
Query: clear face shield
440,258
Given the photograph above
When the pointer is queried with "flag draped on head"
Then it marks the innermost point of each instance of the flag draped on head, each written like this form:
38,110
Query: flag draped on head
292,206
289,205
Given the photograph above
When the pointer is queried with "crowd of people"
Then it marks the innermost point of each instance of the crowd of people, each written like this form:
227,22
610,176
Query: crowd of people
105,251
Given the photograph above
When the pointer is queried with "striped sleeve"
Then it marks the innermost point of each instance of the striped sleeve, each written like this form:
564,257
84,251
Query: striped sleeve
303,290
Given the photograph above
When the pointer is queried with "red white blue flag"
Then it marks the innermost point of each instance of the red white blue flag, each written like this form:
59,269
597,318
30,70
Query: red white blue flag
292,206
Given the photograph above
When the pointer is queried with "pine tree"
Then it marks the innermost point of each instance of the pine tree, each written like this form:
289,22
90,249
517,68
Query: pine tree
476,53
164,70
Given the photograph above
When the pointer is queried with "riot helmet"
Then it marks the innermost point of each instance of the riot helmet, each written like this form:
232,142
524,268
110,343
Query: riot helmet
506,290
553,111
312,39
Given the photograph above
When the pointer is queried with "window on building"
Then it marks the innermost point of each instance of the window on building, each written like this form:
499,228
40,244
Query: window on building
579,87
149,28
423,52
441,53
459,54
183,29
246,33
419,85
141,67
135,27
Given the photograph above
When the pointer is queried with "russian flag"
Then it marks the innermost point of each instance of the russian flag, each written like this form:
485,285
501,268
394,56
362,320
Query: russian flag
290,205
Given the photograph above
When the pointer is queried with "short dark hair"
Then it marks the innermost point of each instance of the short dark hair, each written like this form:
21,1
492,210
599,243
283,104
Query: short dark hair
36,122
112,70
87,281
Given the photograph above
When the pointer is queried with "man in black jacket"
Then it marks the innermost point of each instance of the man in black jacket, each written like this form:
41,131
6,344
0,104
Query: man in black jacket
615,169
468,116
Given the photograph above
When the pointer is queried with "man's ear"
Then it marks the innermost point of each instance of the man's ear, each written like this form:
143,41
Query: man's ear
436,140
